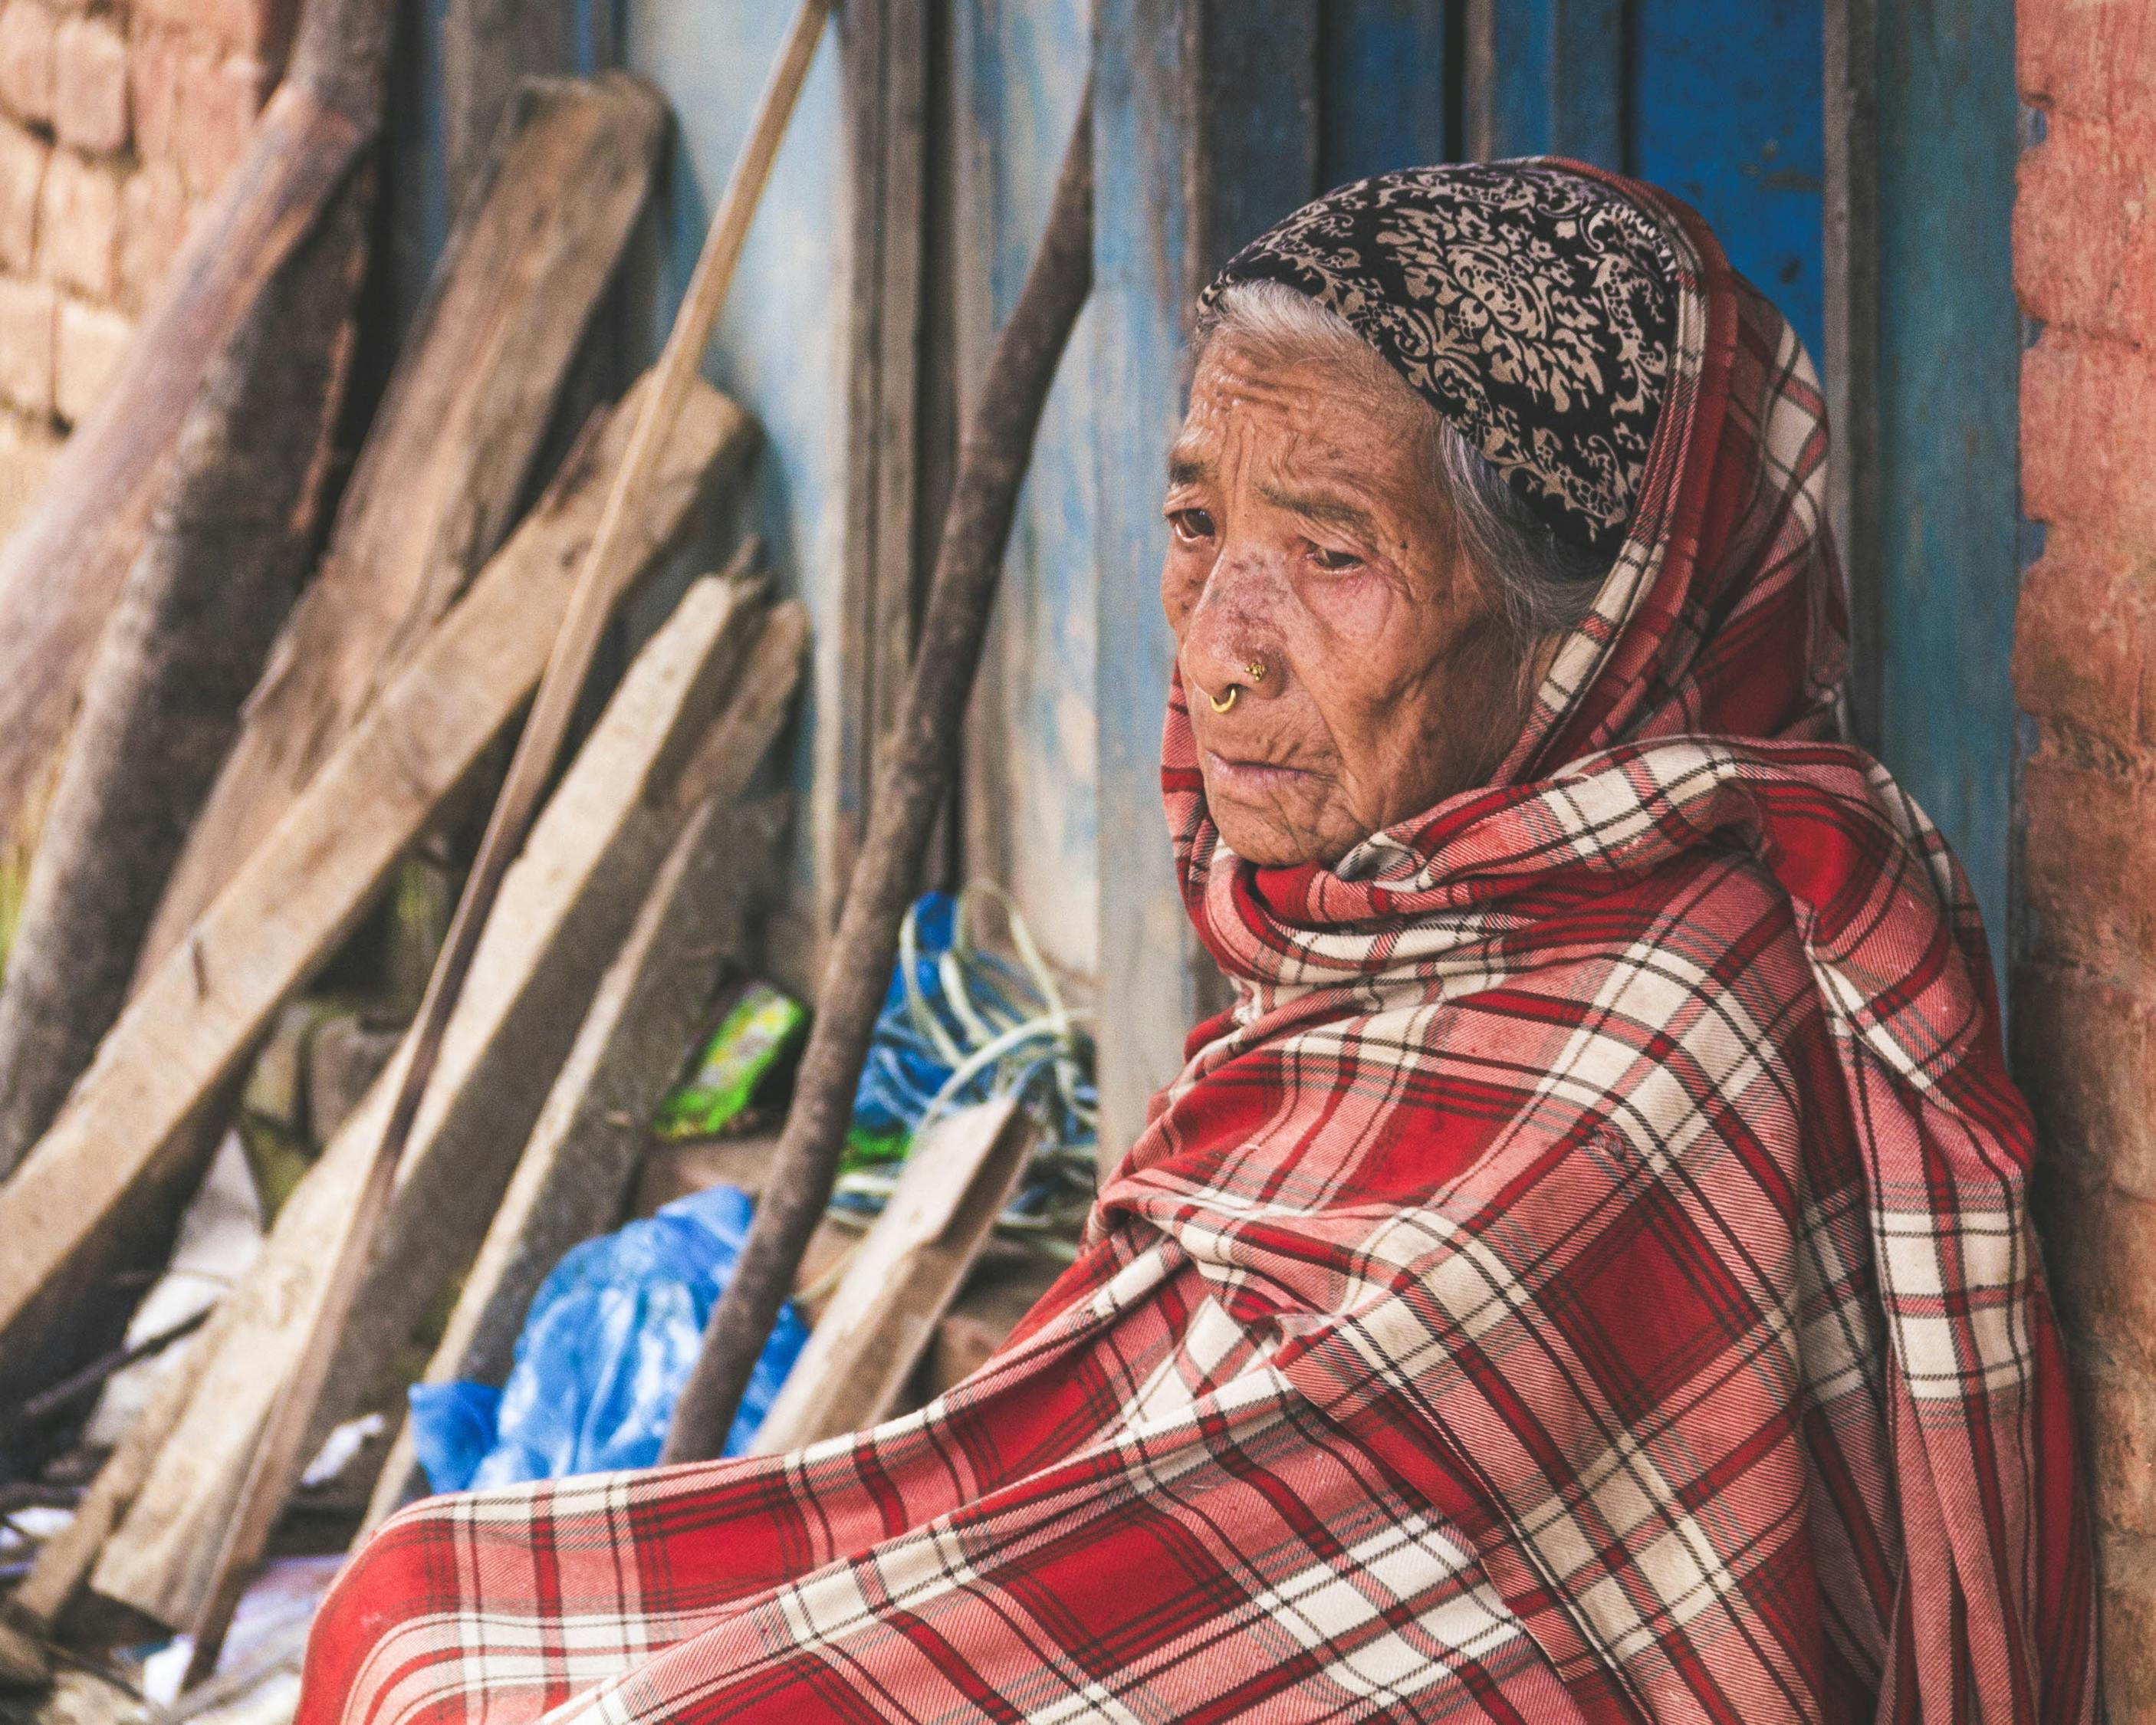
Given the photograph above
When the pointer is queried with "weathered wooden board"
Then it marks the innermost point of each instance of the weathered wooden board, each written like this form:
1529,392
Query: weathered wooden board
902,1278
64,1560
448,458
61,571
1951,546
1848,355
487,49
196,1015
1018,69
1390,87
886,76
220,559
1546,77
693,932
563,909
24,1662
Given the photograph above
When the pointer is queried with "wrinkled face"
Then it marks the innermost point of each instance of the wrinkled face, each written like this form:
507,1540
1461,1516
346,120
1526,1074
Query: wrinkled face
1313,570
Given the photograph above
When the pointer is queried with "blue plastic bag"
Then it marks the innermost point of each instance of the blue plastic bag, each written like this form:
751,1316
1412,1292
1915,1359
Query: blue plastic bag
606,1348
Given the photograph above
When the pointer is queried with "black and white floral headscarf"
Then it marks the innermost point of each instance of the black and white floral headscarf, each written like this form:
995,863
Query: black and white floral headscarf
1532,306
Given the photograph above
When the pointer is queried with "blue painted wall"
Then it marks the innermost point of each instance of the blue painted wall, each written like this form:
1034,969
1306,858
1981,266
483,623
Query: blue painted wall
1557,85
1141,241
1722,103
1256,143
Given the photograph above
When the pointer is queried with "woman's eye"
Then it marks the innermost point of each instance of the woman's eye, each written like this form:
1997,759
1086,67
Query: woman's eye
1191,524
1335,561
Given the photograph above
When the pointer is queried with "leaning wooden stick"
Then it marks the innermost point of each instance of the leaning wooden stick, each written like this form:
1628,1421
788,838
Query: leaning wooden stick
279,1457
910,793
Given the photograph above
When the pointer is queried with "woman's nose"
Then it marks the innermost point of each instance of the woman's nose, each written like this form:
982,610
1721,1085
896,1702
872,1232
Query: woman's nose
1227,650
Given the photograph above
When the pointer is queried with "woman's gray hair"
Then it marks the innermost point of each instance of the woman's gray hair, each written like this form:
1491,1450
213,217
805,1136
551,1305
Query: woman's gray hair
1547,585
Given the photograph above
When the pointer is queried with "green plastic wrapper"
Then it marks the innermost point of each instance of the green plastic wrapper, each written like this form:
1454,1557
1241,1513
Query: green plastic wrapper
760,1030
868,1149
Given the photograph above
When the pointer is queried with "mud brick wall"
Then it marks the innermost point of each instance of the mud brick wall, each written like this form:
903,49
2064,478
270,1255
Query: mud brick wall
116,121
2085,672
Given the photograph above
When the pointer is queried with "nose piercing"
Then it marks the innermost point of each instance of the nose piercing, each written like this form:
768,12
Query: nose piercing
1222,707
1255,670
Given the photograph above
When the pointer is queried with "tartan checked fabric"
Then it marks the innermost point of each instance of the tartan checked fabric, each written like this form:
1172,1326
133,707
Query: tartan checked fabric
1587,1276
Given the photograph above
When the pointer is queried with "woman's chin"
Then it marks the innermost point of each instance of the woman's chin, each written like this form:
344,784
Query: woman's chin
1263,839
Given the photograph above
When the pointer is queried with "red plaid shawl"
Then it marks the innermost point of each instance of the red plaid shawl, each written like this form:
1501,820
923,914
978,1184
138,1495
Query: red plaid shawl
1589,1275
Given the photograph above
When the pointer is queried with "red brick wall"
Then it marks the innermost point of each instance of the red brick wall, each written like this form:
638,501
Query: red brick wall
116,121
2084,265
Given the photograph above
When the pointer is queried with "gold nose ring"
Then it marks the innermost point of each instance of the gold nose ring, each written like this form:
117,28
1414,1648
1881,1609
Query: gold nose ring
1222,707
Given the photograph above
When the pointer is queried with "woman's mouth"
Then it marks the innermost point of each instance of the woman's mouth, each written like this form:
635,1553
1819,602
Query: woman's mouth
1249,777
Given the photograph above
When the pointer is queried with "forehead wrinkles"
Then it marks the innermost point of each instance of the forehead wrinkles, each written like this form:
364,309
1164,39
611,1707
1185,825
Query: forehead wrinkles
1303,422
1318,421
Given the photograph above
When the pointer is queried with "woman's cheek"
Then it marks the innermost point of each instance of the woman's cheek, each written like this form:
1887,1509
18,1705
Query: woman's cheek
1178,590
1350,613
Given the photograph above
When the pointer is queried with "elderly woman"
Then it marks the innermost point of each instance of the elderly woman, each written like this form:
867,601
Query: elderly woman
1588,1276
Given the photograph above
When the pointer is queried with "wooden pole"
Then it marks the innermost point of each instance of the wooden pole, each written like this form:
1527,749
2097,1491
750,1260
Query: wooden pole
915,780
280,1457
62,571
221,557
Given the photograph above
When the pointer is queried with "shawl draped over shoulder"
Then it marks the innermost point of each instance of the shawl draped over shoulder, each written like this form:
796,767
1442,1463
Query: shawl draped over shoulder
1587,1276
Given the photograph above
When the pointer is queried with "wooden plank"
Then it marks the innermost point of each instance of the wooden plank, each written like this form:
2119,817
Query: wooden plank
280,1457
563,910
64,1560
692,932
1028,803
1850,361
1159,123
1546,78
219,563
61,573
448,458
488,48
886,45
1386,83
1728,111
24,1662
1950,545
902,1278
198,1013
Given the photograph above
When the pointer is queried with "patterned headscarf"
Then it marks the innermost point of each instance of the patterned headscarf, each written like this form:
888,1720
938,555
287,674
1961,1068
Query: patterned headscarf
1530,305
